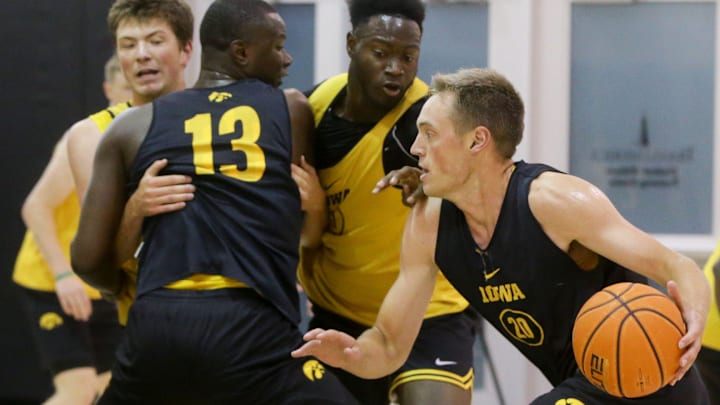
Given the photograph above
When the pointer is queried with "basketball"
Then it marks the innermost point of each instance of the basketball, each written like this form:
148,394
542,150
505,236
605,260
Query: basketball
625,339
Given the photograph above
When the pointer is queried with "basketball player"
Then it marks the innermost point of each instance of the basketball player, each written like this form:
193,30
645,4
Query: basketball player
524,243
75,332
116,88
365,125
76,337
153,42
216,309
708,360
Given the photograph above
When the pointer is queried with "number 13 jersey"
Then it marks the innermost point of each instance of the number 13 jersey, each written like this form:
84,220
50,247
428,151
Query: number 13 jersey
244,221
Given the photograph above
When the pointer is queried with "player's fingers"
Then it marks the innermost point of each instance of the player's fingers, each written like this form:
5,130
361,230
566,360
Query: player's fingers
296,171
165,208
307,166
307,349
688,358
175,194
312,334
155,167
384,183
84,307
65,305
170,180
75,308
415,196
674,292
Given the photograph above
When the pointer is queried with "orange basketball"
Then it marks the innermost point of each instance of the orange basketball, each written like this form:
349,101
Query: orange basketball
625,339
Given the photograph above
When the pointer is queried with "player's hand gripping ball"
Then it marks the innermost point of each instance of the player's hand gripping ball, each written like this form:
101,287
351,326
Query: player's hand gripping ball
625,339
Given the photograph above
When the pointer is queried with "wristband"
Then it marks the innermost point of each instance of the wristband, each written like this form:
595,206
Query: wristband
63,275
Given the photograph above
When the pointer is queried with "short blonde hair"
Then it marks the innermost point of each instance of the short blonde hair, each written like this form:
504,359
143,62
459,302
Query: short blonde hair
484,97
112,67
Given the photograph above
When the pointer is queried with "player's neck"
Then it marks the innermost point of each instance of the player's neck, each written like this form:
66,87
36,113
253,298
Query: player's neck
354,107
213,78
483,197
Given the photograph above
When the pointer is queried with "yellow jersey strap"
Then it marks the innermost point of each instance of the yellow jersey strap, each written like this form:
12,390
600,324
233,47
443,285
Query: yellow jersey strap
711,337
103,118
325,93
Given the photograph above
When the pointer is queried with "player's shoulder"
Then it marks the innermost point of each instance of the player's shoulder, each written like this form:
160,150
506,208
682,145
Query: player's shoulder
132,119
103,117
84,128
295,96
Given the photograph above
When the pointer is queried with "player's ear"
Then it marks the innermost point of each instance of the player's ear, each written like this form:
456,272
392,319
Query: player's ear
480,138
107,90
239,52
350,43
186,53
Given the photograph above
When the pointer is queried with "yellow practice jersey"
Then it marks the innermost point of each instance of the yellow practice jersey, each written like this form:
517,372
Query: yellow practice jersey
360,256
31,269
711,338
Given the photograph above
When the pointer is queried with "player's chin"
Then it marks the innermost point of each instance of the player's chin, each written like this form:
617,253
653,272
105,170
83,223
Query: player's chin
150,91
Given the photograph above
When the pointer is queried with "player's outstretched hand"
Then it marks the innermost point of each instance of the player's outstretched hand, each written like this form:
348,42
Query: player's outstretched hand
160,194
692,341
406,178
334,348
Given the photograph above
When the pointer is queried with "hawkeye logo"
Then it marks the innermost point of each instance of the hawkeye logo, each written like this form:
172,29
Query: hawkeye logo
313,370
50,321
219,97
569,401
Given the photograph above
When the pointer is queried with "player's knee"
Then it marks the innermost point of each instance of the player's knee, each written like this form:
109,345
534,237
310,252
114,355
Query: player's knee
75,386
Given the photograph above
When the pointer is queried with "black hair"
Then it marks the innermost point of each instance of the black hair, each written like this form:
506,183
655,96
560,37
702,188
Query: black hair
228,20
362,10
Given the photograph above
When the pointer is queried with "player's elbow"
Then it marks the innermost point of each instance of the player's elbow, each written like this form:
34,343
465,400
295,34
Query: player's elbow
84,261
93,268
28,210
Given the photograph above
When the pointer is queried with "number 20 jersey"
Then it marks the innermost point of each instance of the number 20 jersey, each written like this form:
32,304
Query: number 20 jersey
244,221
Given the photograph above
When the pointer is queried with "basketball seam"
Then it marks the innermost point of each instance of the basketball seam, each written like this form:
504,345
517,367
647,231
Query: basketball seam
658,362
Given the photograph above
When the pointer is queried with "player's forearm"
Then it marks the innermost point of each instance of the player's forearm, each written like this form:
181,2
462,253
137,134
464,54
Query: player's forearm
95,264
107,279
40,221
380,356
129,234
694,287
314,225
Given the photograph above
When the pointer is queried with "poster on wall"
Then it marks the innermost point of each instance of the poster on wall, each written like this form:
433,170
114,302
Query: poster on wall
642,104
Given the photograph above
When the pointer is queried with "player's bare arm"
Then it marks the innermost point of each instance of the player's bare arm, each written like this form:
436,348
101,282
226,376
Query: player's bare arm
312,195
38,213
383,348
94,254
156,194
573,211
82,142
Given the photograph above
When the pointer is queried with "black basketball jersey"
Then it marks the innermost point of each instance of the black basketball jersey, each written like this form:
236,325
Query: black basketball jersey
523,284
244,221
